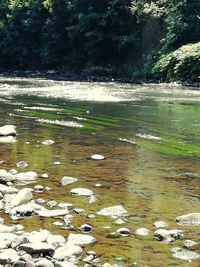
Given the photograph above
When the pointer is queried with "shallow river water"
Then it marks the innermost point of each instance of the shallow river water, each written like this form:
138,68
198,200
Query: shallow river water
149,135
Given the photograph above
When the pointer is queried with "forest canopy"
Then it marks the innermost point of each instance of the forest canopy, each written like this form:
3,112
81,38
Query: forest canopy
99,37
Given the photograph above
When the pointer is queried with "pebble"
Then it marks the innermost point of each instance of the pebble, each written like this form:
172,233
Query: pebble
22,164
97,157
48,142
124,232
142,231
86,228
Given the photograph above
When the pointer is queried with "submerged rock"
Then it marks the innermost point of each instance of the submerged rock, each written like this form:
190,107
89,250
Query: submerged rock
81,192
113,211
8,130
80,239
168,236
22,164
189,219
67,180
185,254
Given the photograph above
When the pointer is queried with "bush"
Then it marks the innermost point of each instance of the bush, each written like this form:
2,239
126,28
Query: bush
181,65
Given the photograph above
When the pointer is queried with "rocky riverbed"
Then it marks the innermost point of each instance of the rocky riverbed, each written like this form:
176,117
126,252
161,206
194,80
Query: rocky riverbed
42,248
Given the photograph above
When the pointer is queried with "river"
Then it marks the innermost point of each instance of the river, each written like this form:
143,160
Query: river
149,136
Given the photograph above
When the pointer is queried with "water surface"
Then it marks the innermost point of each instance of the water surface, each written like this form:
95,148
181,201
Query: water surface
149,135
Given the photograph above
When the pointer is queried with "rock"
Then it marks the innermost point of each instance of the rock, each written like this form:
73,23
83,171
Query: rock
52,203
8,256
7,189
8,130
113,211
97,157
40,200
44,263
6,229
81,192
65,205
23,196
160,224
39,188
18,241
52,213
48,142
79,211
6,176
38,236
80,239
190,244
120,221
7,140
92,199
22,164
124,232
56,240
67,251
68,180
38,248
59,224
28,260
189,219
185,254
27,176
13,171
1,221
19,264
168,236
26,209
45,176
142,231
86,228
57,163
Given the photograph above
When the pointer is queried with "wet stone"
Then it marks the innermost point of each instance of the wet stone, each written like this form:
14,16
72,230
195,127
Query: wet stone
86,228
81,192
39,188
124,232
52,203
113,211
189,219
160,224
185,254
168,236
22,164
67,180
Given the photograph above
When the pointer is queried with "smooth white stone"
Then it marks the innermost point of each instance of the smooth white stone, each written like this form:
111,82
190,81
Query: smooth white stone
68,180
97,157
81,192
81,239
113,211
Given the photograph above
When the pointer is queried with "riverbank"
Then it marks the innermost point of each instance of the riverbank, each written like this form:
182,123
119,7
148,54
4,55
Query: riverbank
58,75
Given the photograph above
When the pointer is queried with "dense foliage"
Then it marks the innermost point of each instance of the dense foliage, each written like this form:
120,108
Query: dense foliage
102,37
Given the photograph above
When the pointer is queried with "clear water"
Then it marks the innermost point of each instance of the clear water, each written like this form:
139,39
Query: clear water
149,135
